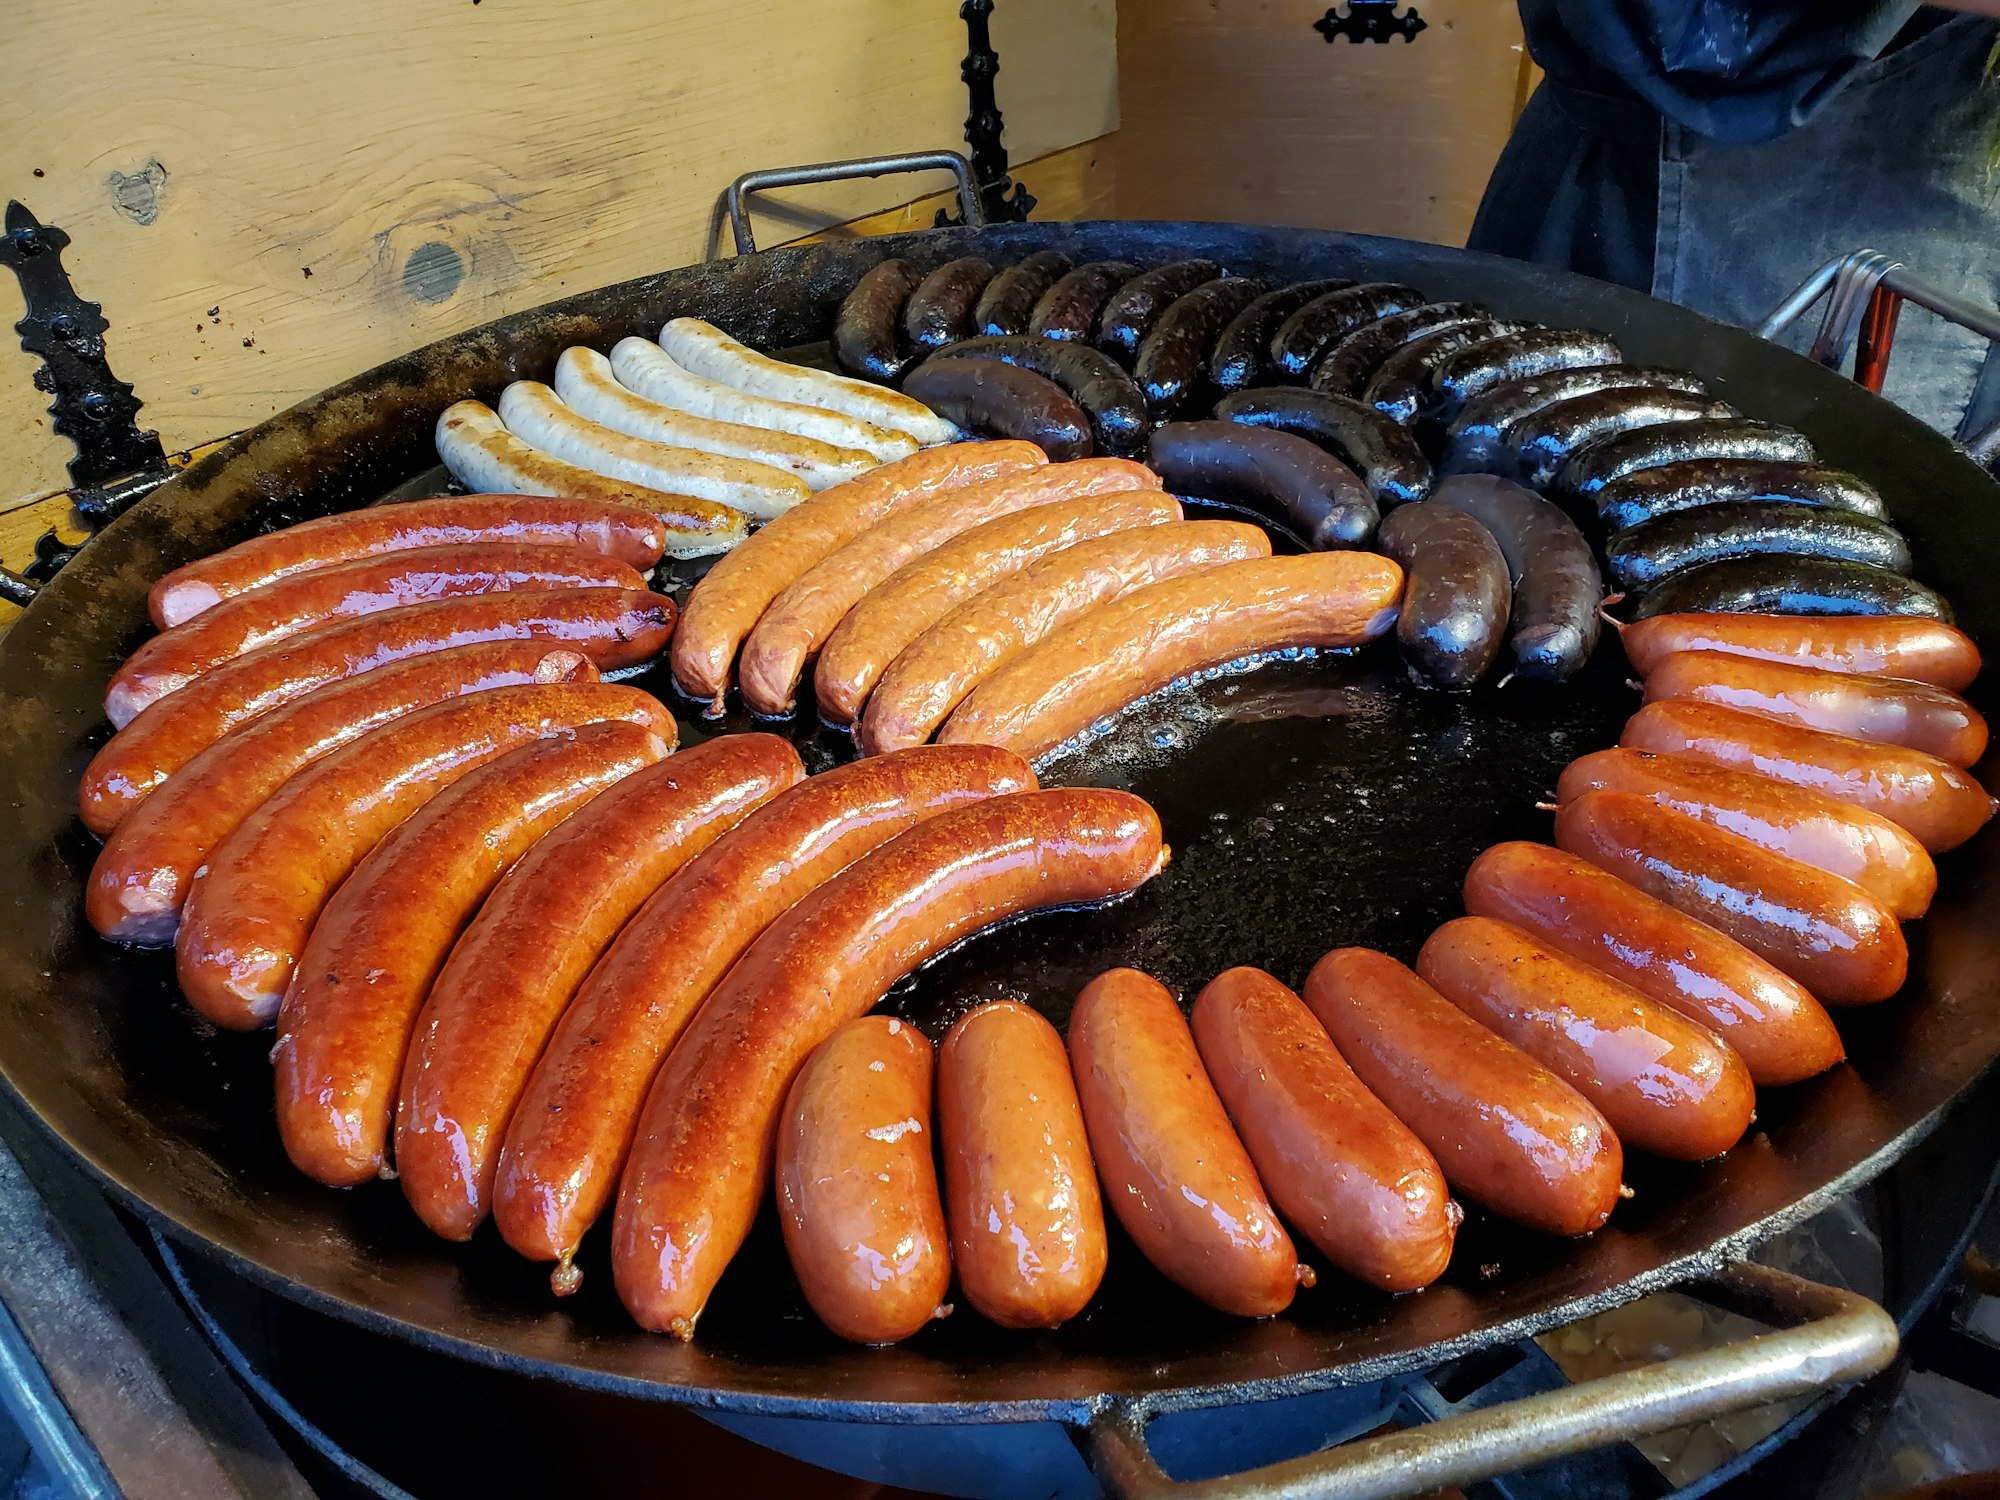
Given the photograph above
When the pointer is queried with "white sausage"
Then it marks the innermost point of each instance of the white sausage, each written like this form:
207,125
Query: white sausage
584,380
648,370
707,350
537,416
488,459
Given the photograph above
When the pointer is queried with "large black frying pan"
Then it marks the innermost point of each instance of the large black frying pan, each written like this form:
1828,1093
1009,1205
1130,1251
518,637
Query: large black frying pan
1309,805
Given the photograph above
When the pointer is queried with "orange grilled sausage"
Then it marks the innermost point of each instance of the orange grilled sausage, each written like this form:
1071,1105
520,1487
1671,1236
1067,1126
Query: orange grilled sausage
1176,1174
1888,645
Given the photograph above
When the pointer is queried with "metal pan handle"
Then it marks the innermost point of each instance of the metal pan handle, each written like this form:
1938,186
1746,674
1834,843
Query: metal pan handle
1829,1337
840,171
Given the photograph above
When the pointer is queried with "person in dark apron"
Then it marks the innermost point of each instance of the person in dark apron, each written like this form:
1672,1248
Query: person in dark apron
1717,152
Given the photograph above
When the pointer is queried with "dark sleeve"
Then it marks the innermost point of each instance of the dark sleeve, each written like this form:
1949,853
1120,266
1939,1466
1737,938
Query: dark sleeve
1737,71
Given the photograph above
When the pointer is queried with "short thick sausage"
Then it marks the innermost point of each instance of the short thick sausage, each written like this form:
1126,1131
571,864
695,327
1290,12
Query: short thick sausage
1136,306
1243,348
989,399
1368,441
1010,298
1068,310
866,329
1553,625
1290,480
1455,605
1303,337
939,311
1347,367
1173,355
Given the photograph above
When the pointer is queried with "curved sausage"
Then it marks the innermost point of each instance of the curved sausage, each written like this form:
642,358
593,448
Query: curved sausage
1782,585
1666,1085
538,416
936,671
251,908
1069,309
986,398
1827,933
649,371
1768,1018
857,1191
347,1015
1537,446
1609,459
1515,355
612,627
870,317
1347,367
585,382
1294,482
802,618
1244,347
1111,398
918,595
939,311
733,595
1507,1132
1794,821
512,975
1370,442
1553,625
1132,310
701,1158
1174,353
1643,556
483,455
1909,646
1177,1176
707,351
1399,386
1010,298
1027,1224
1647,494
1323,322
1933,799
1122,651
1478,435
142,874
1455,603
1337,1163
575,1120
244,622
622,532
1884,709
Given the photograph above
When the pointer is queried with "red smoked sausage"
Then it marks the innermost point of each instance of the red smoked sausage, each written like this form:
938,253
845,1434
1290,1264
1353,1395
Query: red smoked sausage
1910,646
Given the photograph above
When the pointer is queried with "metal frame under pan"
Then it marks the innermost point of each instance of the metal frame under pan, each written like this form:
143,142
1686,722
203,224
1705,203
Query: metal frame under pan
177,1125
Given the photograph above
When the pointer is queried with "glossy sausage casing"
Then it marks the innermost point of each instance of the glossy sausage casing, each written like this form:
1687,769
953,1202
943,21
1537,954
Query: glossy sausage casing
1176,1174
1455,605
939,311
1507,1132
1373,444
989,399
1027,1223
1911,646
1337,1163
1648,494
866,329
1553,625
1773,1023
857,1192
1289,479
1011,297
1666,1085
1244,347
1068,310
1651,552
1132,310
1827,933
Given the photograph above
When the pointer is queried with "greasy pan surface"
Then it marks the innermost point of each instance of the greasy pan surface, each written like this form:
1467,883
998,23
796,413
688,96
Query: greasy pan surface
1308,805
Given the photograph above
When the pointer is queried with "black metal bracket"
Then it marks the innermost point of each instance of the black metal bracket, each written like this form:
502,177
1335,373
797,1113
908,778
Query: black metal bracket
1005,200
1370,21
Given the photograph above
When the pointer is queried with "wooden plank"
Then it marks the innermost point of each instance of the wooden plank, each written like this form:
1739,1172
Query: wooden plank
1242,113
269,198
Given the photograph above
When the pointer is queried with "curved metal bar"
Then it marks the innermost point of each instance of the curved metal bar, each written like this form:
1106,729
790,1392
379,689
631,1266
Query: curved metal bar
1828,1337
1859,275
841,171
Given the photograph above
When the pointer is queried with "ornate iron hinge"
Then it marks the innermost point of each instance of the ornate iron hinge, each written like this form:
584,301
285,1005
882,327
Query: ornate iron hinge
1005,200
1370,21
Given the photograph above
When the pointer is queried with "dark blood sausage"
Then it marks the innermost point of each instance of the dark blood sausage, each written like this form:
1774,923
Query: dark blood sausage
1479,431
990,399
1557,588
1172,356
1641,556
1455,603
1514,356
1010,297
1375,446
1315,328
1069,309
1541,444
1594,466
1245,345
1648,494
1132,310
1398,387
1111,398
865,330
1273,473
939,311
1791,586
1349,365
